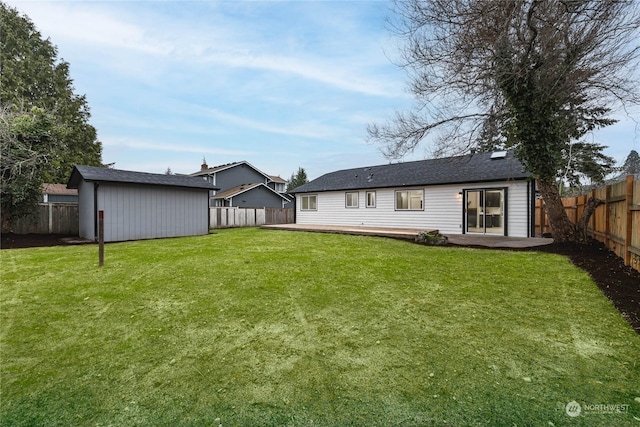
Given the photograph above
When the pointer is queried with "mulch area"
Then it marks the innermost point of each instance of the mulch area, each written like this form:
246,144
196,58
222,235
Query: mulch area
620,283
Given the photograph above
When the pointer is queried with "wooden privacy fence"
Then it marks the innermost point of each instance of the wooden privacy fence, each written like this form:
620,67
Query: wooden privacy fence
616,222
249,217
49,218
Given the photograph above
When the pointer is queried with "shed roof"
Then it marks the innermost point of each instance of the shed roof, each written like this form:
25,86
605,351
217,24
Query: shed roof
98,174
477,167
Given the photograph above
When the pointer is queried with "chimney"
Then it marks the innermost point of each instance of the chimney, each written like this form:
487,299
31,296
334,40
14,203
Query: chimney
204,165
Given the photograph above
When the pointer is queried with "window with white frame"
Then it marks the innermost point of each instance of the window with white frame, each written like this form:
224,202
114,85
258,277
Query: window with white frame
351,200
409,200
309,203
371,199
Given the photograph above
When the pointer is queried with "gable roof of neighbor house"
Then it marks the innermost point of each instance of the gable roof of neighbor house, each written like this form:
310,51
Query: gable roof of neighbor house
205,170
58,190
477,167
277,179
98,174
232,192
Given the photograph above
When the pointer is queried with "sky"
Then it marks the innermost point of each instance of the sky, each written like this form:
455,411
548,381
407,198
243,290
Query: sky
280,84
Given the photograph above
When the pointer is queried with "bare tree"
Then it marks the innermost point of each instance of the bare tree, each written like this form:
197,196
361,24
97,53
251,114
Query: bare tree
532,75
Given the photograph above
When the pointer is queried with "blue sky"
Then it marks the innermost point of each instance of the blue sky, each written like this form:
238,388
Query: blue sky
280,84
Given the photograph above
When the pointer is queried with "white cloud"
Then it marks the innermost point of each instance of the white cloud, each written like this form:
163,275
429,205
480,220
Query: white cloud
154,146
90,24
305,130
107,29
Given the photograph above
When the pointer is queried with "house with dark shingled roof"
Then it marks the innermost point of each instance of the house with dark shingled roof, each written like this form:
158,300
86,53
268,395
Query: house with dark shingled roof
479,193
139,205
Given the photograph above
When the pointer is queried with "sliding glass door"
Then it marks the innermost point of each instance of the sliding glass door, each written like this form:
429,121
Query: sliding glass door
484,211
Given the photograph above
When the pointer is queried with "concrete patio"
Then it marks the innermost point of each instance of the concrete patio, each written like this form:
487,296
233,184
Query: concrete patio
486,240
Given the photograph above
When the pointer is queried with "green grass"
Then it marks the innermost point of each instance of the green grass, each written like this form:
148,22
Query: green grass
264,328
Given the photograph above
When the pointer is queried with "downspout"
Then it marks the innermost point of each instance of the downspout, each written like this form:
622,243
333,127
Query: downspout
531,198
95,211
295,208
208,210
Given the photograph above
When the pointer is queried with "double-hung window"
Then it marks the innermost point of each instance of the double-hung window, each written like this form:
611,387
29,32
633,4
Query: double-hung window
351,199
309,203
409,200
371,199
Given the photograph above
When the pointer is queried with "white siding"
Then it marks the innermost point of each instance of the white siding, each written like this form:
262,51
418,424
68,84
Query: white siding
133,212
442,209
86,220
519,206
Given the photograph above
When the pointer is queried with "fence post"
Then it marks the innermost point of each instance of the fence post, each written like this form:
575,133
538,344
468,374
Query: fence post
543,217
607,227
50,207
629,220
101,238
593,217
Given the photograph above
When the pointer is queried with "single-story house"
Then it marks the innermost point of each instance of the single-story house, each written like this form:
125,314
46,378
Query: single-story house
140,205
480,193
256,195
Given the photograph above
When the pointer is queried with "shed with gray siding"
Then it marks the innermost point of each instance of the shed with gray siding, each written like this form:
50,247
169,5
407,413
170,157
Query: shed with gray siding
140,205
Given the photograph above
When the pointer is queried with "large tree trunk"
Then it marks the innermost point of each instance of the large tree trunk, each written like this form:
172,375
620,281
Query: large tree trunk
562,229
581,226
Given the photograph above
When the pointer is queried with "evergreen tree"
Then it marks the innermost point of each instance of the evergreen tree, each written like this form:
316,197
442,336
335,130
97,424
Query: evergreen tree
297,179
32,76
631,165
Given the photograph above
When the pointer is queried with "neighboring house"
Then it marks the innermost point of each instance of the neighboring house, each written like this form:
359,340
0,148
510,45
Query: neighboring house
250,196
231,176
58,193
278,184
140,205
481,193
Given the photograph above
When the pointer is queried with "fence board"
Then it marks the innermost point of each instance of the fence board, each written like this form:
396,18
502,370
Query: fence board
616,222
227,217
49,218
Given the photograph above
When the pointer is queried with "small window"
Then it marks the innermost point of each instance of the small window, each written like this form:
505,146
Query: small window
309,203
351,200
371,199
410,200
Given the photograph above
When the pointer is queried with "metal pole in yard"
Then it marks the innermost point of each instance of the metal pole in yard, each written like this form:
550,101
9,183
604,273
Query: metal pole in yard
101,238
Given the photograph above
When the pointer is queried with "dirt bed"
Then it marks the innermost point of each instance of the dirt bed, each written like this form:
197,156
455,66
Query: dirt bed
620,283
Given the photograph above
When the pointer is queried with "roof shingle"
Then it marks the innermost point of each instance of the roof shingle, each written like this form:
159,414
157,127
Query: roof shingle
477,167
92,173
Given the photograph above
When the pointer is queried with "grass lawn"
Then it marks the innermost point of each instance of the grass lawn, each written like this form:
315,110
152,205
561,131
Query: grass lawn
251,327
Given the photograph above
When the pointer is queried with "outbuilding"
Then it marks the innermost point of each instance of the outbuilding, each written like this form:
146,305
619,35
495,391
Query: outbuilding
139,205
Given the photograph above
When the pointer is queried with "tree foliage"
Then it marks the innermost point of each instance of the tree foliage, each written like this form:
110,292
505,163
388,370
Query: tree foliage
28,140
32,76
585,164
531,75
631,165
297,179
